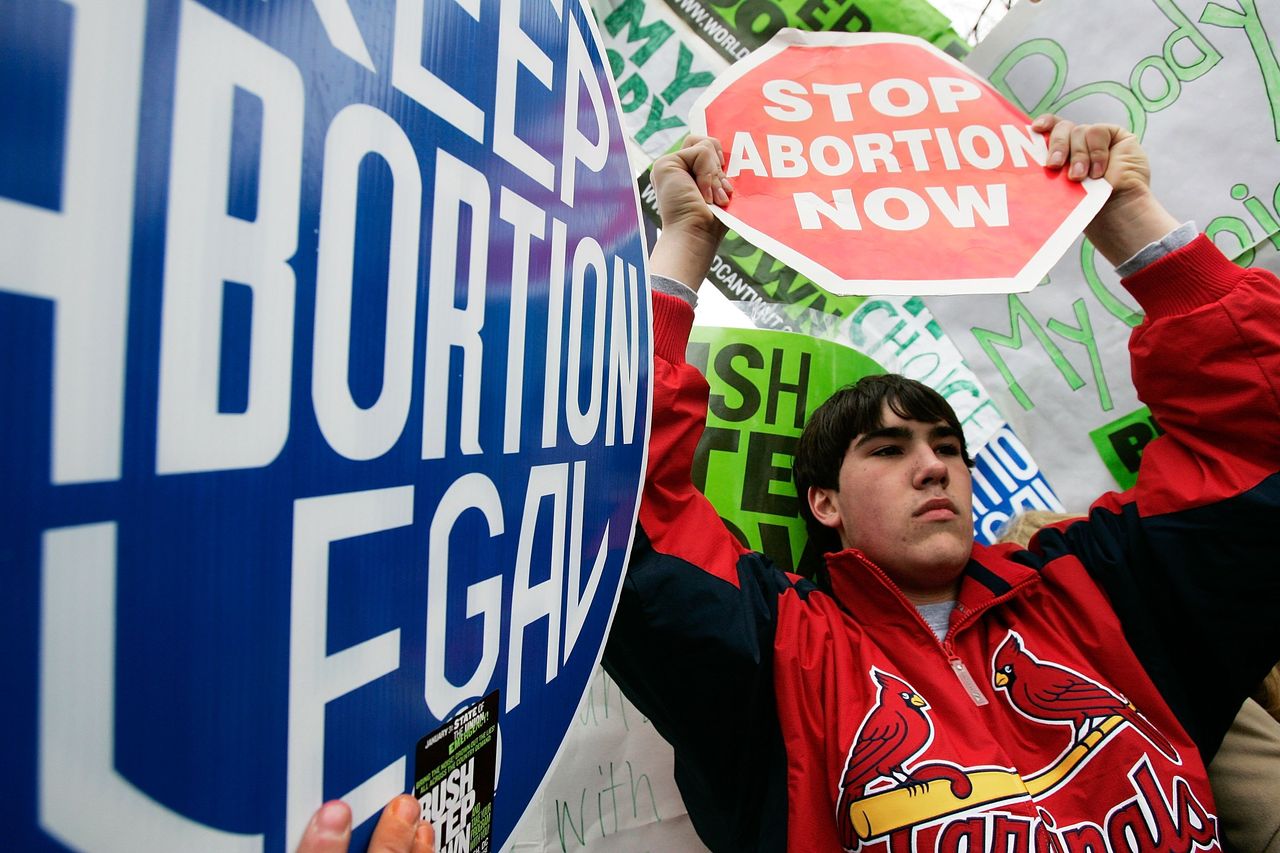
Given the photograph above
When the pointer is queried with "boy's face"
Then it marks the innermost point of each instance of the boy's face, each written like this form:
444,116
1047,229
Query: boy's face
905,500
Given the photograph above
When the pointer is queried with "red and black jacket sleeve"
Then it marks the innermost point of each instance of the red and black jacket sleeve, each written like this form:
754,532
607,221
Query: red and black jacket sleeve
692,640
1189,557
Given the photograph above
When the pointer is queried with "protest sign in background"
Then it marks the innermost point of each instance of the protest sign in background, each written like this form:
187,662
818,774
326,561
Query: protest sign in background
764,387
878,164
736,27
663,53
660,67
661,58
325,349
1199,82
613,788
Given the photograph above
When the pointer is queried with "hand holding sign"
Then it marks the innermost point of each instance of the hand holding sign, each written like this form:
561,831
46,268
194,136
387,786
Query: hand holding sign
1131,217
1128,220
686,181
878,164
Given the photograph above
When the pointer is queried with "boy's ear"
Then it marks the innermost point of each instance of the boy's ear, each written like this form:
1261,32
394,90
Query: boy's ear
822,502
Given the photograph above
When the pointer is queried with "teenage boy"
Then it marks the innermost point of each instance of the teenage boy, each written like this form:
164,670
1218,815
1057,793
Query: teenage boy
934,694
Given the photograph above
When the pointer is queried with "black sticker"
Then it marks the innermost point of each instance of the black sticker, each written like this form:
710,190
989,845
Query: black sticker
454,768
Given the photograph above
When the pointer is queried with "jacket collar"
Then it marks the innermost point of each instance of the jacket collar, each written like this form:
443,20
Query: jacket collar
867,591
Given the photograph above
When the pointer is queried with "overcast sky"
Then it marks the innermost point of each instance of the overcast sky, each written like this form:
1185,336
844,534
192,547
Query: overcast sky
966,13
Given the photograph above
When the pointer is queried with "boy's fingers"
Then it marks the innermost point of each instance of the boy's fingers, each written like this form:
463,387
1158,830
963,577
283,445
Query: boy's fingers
704,160
1079,154
701,158
695,141
1098,139
715,143
1059,144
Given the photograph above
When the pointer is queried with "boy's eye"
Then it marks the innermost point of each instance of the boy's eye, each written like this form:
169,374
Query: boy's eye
887,450
949,450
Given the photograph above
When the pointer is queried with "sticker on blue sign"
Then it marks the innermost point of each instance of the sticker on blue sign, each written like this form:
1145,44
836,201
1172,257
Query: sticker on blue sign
454,768
326,349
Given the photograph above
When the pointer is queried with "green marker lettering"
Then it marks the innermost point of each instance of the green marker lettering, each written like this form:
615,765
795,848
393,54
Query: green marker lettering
989,340
1240,192
1084,336
1247,19
655,122
1172,86
1111,302
684,81
629,15
1186,31
1237,228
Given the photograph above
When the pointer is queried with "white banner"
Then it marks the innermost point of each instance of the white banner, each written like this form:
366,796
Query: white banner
612,789
1200,83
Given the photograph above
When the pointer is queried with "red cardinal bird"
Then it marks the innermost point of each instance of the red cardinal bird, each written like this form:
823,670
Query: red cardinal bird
895,731
1053,694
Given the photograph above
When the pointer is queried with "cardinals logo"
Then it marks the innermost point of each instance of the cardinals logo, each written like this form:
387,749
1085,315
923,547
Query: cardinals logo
890,791
892,736
1055,695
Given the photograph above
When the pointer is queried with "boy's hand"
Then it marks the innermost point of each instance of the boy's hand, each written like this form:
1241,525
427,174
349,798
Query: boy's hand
1096,151
1132,216
686,181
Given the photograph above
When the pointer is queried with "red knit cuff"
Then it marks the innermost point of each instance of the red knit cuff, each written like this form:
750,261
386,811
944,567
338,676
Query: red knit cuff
672,320
1184,280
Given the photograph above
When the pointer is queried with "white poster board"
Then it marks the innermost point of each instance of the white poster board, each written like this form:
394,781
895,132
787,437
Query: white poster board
1200,83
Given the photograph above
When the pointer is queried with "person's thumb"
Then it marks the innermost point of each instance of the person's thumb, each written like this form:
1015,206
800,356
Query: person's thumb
329,830
397,827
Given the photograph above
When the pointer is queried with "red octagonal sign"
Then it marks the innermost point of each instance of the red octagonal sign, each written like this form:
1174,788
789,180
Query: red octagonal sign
877,164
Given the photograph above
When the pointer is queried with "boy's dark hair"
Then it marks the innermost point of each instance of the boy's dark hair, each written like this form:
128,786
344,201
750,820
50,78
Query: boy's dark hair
851,411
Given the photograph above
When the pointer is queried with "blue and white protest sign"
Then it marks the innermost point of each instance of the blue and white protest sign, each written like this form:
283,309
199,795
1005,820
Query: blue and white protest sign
324,364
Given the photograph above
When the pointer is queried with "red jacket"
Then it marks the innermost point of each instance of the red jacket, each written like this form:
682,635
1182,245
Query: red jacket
1080,682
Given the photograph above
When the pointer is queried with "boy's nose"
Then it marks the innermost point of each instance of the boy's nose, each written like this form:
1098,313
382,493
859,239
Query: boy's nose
931,470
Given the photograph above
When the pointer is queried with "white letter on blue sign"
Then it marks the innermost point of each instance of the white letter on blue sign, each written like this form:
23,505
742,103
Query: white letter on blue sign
408,75
449,326
516,49
533,602
528,221
79,256
78,707
583,424
484,598
353,431
577,147
207,248
316,677
624,354
579,598
555,326
343,31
